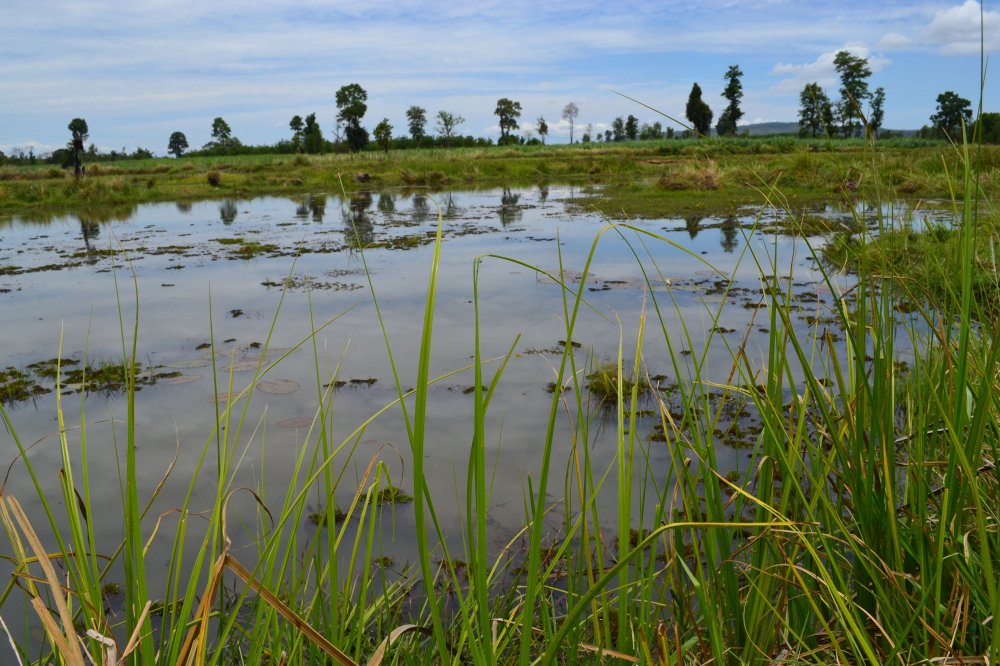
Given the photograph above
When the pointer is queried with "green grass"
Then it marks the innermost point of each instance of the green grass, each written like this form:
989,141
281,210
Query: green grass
646,179
863,530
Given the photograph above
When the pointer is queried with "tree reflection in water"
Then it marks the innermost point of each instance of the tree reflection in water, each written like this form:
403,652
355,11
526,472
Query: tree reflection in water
358,229
730,230
509,211
386,203
227,211
691,223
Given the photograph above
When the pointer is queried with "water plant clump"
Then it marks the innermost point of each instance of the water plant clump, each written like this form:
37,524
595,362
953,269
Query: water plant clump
607,381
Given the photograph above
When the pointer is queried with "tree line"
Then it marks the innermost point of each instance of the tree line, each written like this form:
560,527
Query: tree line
819,115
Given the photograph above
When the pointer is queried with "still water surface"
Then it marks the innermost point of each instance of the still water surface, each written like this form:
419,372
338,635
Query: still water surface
218,271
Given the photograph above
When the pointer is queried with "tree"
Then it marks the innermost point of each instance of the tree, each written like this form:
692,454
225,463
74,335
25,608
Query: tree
570,112
829,118
78,128
631,128
351,104
854,72
952,112
651,132
698,112
312,136
416,119
383,134
177,144
988,127
543,127
812,101
296,125
447,123
734,93
221,132
618,129
508,111
877,111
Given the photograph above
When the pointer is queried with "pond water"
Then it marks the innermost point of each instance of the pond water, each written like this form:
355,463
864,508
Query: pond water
216,272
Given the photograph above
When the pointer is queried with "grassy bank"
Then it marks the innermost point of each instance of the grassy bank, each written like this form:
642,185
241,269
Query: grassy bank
864,530
647,179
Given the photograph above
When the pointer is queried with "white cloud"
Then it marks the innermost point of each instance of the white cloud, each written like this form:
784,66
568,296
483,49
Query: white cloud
821,70
893,41
957,30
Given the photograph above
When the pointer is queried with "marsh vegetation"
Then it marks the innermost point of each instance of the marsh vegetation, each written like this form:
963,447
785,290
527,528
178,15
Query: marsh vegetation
724,433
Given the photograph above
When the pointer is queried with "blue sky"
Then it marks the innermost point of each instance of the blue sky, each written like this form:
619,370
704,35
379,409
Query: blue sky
139,70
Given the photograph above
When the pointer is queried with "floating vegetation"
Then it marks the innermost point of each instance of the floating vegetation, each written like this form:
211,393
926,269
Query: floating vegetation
18,386
604,382
392,495
180,379
363,382
318,518
71,375
278,386
297,422
188,364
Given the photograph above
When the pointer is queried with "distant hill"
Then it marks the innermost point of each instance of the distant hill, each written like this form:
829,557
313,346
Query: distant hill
765,129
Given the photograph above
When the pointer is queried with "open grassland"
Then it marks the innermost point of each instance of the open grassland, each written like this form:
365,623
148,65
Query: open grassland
644,179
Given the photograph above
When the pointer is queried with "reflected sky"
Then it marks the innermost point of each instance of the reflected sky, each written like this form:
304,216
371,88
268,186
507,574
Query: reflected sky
247,270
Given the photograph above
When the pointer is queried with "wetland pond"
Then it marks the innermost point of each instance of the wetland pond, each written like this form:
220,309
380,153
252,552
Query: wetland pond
210,277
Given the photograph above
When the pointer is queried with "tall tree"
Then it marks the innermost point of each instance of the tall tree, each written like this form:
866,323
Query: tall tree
854,72
221,131
447,123
570,112
952,112
651,132
618,129
351,104
177,144
812,100
631,128
543,127
79,130
383,134
508,111
877,111
312,136
733,93
296,125
416,119
698,112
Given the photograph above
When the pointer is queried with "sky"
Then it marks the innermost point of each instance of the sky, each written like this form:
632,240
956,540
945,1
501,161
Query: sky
137,71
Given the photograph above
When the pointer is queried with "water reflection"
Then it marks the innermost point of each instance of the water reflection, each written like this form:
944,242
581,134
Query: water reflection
386,203
509,211
358,229
691,223
183,206
311,205
451,208
730,229
421,210
227,211
543,193
89,229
